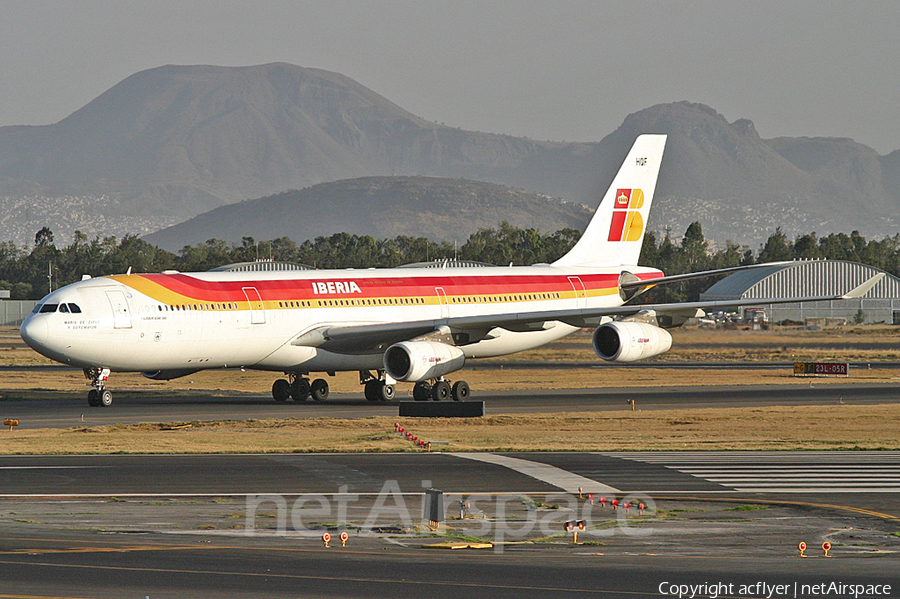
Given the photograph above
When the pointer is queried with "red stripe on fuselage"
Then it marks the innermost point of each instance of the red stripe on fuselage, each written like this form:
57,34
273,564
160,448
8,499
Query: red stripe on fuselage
301,289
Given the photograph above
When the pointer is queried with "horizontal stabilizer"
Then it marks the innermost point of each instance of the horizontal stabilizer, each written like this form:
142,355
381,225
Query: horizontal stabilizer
864,288
648,283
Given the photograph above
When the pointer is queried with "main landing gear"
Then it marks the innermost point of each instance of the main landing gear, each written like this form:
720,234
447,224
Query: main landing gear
381,388
299,388
378,388
440,390
99,396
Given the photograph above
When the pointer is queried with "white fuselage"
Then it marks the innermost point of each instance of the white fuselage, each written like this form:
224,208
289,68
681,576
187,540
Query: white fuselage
189,321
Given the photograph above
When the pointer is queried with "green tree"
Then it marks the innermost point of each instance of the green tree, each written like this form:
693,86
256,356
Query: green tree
732,255
558,243
776,248
649,250
806,247
44,237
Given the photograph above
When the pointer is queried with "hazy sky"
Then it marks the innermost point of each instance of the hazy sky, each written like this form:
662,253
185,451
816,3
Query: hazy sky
555,69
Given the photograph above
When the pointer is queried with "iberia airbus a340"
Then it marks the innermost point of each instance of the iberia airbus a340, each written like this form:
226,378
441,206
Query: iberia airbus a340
405,324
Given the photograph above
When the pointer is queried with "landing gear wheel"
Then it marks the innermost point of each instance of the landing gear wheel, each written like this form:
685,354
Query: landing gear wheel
281,390
373,390
460,391
376,390
300,389
440,391
422,391
319,390
99,395
388,392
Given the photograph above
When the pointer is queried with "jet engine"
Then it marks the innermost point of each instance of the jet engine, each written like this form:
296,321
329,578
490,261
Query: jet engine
422,360
630,341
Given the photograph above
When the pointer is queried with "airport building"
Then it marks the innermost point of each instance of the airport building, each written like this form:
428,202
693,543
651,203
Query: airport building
813,278
13,312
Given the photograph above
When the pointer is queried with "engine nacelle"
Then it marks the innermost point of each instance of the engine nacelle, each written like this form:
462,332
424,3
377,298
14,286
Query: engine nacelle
630,341
422,360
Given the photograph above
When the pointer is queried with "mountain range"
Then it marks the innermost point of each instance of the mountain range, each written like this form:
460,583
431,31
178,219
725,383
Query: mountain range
171,143
383,207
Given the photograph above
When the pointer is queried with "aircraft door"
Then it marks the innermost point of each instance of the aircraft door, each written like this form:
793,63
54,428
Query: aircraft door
119,305
580,292
442,298
257,311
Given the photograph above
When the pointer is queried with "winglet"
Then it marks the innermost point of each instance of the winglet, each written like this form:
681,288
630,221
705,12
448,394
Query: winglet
864,288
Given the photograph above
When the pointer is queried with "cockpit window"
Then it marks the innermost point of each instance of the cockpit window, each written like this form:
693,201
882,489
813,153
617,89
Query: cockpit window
49,308
64,308
74,308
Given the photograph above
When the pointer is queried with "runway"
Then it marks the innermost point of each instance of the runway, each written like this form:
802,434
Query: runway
155,408
668,473
117,568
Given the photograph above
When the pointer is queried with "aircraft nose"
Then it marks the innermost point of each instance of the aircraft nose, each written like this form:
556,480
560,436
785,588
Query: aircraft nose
35,332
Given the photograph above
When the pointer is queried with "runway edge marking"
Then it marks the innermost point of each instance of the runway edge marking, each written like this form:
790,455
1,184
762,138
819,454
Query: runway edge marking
565,480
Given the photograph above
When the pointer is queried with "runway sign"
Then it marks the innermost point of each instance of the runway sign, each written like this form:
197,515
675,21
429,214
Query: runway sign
821,369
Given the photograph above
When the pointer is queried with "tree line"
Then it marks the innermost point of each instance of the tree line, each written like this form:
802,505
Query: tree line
27,273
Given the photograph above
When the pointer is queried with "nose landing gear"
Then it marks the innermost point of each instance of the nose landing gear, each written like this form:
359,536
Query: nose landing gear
99,396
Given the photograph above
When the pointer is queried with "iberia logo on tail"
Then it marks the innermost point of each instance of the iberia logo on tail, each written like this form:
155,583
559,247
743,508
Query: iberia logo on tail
627,222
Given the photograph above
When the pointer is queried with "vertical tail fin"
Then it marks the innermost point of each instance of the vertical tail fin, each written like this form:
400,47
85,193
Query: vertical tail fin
616,232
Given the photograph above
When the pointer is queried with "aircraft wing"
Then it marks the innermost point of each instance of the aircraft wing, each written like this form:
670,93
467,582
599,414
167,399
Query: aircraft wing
365,338
370,338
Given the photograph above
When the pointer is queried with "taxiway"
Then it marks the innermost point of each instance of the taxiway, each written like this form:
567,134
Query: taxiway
63,413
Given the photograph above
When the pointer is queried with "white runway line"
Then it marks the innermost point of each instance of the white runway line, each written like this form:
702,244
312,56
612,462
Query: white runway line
47,467
786,472
565,480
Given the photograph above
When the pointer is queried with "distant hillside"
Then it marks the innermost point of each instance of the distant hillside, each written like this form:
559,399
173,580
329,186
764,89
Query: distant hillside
173,142
384,207
742,187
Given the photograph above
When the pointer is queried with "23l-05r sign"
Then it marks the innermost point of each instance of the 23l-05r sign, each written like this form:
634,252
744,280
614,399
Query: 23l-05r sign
821,369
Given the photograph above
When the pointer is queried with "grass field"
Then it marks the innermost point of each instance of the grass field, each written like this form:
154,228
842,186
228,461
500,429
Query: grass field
808,428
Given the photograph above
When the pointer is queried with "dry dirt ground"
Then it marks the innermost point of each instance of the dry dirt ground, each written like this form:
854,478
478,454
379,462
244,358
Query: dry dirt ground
777,428
824,427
